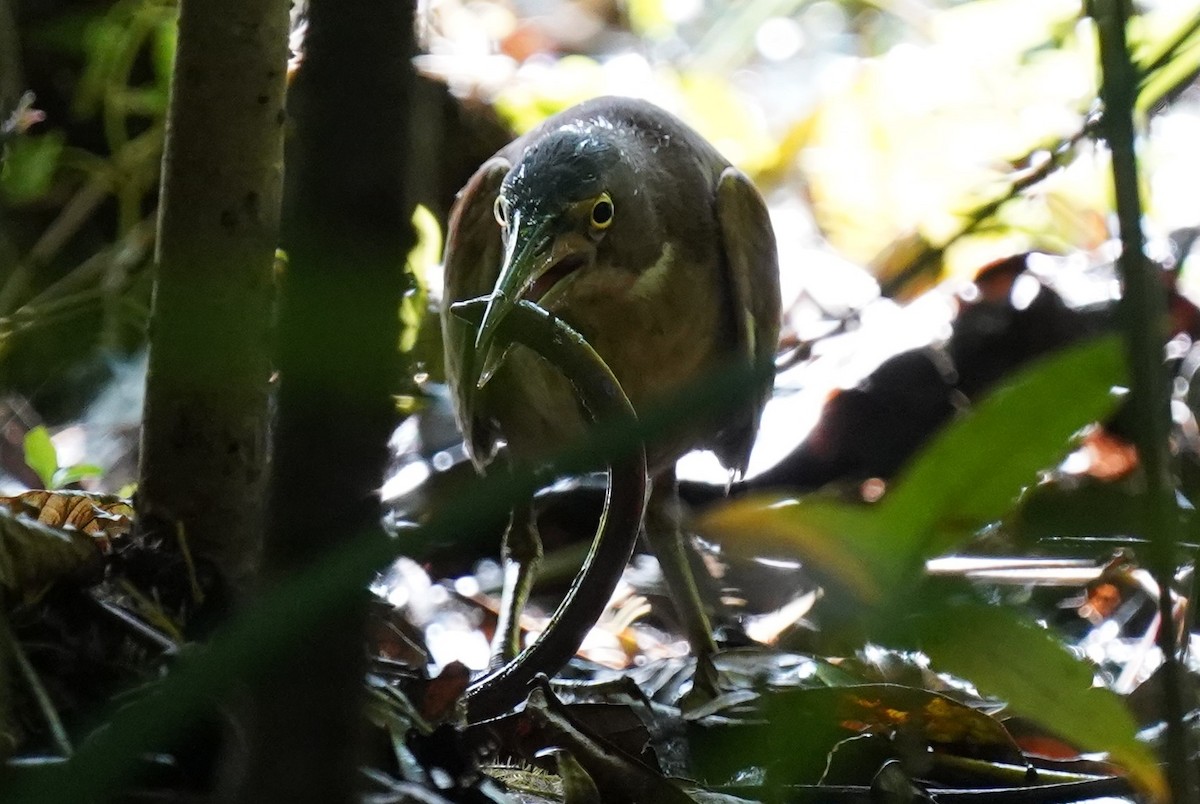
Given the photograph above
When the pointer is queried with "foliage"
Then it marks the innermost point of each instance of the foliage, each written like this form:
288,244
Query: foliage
42,457
78,191
869,558
872,558
1008,85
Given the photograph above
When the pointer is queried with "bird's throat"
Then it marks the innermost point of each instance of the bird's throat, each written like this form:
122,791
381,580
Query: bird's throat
552,276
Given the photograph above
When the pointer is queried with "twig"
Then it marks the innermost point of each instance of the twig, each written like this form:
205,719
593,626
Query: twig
1055,158
190,564
137,627
53,722
1142,311
1060,154
151,611
127,252
141,150
64,227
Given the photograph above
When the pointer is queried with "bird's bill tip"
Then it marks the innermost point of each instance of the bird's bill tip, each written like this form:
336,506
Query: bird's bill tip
492,360
526,241
497,310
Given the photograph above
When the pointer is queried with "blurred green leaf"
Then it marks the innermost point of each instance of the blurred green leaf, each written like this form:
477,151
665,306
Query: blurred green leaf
974,470
839,543
102,39
67,475
1184,63
423,259
162,52
40,455
648,18
1080,508
113,44
30,165
970,475
1174,61
1006,655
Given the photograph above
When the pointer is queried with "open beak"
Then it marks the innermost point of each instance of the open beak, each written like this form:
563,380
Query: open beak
535,259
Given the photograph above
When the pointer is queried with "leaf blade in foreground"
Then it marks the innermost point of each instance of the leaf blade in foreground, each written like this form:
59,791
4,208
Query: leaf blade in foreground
839,543
973,471
1006,655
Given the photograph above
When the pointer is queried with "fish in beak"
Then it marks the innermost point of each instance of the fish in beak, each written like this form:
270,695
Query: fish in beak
538,254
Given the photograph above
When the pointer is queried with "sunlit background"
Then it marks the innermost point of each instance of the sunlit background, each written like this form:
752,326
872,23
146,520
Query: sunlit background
877,131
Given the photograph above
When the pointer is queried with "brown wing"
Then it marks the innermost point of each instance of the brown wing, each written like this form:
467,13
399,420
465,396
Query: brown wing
472,264
751,259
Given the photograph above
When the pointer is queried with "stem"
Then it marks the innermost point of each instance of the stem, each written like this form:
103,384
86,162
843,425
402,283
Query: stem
58,732
1060,153
1142,313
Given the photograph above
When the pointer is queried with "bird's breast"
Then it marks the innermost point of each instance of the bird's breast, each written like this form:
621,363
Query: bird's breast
657,330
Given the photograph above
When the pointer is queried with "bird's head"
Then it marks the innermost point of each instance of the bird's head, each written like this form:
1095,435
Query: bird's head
555,209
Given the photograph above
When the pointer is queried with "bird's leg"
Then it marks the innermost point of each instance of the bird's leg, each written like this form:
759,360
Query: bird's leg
665,533
520,555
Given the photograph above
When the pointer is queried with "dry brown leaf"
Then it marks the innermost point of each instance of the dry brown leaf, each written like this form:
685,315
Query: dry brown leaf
104,516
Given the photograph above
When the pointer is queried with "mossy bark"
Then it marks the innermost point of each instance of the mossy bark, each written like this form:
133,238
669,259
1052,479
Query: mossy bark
204,440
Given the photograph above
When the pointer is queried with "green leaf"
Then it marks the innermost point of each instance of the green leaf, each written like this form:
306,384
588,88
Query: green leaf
974,470
1182,65
162,52
1162,71
40,455
970,475
67,475
29,166
1006,655
1081,508
841,544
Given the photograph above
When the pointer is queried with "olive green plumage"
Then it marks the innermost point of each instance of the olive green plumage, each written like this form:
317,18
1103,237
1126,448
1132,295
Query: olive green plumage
623,221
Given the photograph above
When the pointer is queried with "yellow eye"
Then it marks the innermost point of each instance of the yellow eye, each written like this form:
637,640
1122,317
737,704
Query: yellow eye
500,210
602,212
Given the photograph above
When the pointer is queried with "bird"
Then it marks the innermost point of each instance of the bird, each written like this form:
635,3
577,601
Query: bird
623,221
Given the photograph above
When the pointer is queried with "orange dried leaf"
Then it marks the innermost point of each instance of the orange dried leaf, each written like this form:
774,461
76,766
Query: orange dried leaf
104,516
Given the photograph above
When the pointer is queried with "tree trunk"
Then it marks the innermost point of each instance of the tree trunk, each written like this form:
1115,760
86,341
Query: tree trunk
11,80
204,440
347,232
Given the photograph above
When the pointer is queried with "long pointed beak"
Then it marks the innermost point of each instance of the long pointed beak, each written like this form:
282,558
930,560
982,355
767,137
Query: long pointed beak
533,248
527,241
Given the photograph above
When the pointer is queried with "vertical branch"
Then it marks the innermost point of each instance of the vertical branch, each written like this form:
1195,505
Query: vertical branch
204,439
11,79
347,232
1143,316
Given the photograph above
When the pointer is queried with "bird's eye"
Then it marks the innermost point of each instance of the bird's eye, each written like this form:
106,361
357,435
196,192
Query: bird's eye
602,212
500,210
